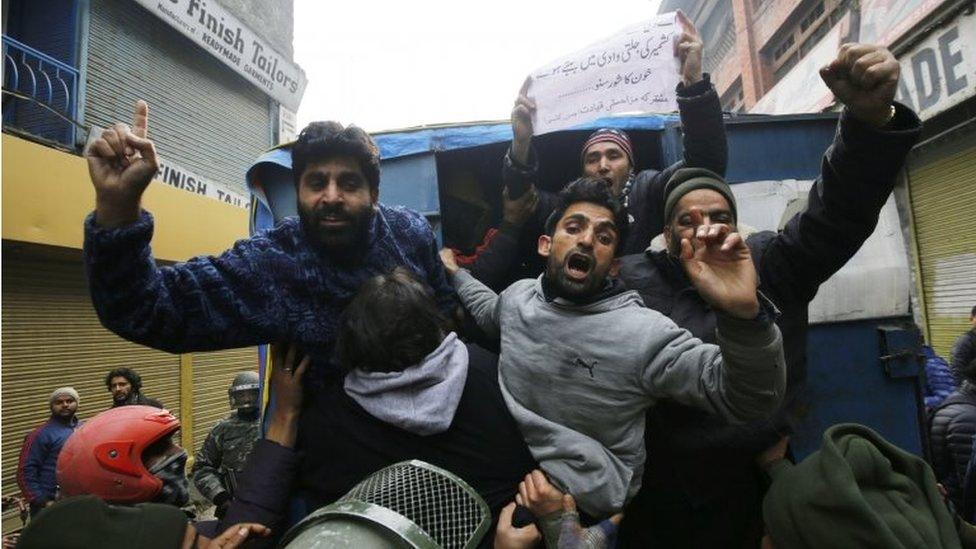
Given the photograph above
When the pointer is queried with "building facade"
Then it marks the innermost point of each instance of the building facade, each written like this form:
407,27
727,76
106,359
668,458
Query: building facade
219,78
764,57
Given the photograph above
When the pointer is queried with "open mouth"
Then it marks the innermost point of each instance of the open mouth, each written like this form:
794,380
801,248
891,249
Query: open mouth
578,265
333,221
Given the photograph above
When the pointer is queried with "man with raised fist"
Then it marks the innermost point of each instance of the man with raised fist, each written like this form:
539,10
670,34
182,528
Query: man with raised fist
701,487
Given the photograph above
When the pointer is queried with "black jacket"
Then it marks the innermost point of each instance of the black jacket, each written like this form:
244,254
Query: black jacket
951,430
136,398
512,252
694,454
343,443
963,352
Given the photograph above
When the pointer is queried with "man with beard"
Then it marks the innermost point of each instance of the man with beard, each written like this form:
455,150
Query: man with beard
125,384
582,359
705,490
39,455
289,283
509,253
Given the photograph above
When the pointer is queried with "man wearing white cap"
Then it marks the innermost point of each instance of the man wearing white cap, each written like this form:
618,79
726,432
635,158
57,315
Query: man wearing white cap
39,456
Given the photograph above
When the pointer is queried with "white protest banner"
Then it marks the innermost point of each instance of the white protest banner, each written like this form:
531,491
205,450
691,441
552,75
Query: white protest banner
217,31
632,71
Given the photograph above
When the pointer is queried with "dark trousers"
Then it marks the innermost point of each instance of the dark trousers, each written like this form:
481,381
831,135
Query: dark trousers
664,515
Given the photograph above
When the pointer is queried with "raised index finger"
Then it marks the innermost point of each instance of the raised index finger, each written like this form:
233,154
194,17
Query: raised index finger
525,86
140,121
686,24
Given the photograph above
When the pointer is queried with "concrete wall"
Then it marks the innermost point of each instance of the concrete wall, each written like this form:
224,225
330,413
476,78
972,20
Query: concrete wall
274,20
755,23
770,17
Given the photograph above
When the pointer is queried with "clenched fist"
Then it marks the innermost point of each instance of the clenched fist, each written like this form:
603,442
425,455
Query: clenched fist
864,77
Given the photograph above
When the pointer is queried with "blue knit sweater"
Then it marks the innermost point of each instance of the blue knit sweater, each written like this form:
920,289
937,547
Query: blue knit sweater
274,286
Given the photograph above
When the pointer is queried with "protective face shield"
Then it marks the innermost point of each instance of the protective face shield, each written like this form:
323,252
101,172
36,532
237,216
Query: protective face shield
243,391
172,471
411,504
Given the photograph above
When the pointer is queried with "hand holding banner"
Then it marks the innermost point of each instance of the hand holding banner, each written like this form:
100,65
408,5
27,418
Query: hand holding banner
633,70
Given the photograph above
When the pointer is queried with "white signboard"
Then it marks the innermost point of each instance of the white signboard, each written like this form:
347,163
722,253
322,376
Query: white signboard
632,71
287,125
217,31
940,72
183,179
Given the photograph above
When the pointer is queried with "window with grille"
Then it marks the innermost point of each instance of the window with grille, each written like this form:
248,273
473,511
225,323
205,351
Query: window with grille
812,17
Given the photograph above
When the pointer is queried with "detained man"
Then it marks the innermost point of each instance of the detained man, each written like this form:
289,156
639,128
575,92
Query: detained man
608,154
289,283
705,490
582,359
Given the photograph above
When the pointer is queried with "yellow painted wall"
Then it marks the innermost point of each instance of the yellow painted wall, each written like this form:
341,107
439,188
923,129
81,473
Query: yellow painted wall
47,194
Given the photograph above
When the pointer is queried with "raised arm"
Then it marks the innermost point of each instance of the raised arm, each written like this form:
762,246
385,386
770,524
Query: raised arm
744,377
858,171
499,253
206,303
703,129
703,136
266,483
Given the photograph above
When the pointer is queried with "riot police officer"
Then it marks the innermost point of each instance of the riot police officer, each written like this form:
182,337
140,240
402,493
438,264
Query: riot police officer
224,453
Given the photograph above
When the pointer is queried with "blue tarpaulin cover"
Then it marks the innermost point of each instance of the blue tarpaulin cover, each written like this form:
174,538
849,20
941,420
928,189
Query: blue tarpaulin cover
394,144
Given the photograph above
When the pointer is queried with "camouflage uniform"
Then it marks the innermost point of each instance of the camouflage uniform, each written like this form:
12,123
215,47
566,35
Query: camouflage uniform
224,454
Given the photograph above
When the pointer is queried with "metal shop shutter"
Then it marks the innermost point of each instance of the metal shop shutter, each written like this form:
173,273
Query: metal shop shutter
52,338
942,183
212,374
203,116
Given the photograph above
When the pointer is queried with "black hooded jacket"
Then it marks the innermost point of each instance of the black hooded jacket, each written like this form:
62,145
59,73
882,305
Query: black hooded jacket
951,430
137,398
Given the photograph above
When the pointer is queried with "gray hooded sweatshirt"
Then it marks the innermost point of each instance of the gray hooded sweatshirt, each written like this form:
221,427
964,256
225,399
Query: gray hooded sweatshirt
579,378
421,399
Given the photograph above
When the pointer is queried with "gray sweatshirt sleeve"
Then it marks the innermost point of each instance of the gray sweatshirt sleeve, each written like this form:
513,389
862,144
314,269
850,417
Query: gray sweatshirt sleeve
743,378
479,300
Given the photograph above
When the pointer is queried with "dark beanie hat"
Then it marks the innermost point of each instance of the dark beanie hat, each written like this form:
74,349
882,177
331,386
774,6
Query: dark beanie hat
686,180
858,490
83,522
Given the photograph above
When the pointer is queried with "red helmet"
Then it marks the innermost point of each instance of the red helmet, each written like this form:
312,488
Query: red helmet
104,456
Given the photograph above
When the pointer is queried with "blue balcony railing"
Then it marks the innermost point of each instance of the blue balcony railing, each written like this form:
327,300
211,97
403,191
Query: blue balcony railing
49,82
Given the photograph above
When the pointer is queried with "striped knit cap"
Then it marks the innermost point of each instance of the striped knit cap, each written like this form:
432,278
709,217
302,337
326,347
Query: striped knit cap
616,137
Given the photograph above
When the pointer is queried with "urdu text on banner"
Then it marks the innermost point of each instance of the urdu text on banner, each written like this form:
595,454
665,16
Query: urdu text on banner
217,31
632,71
